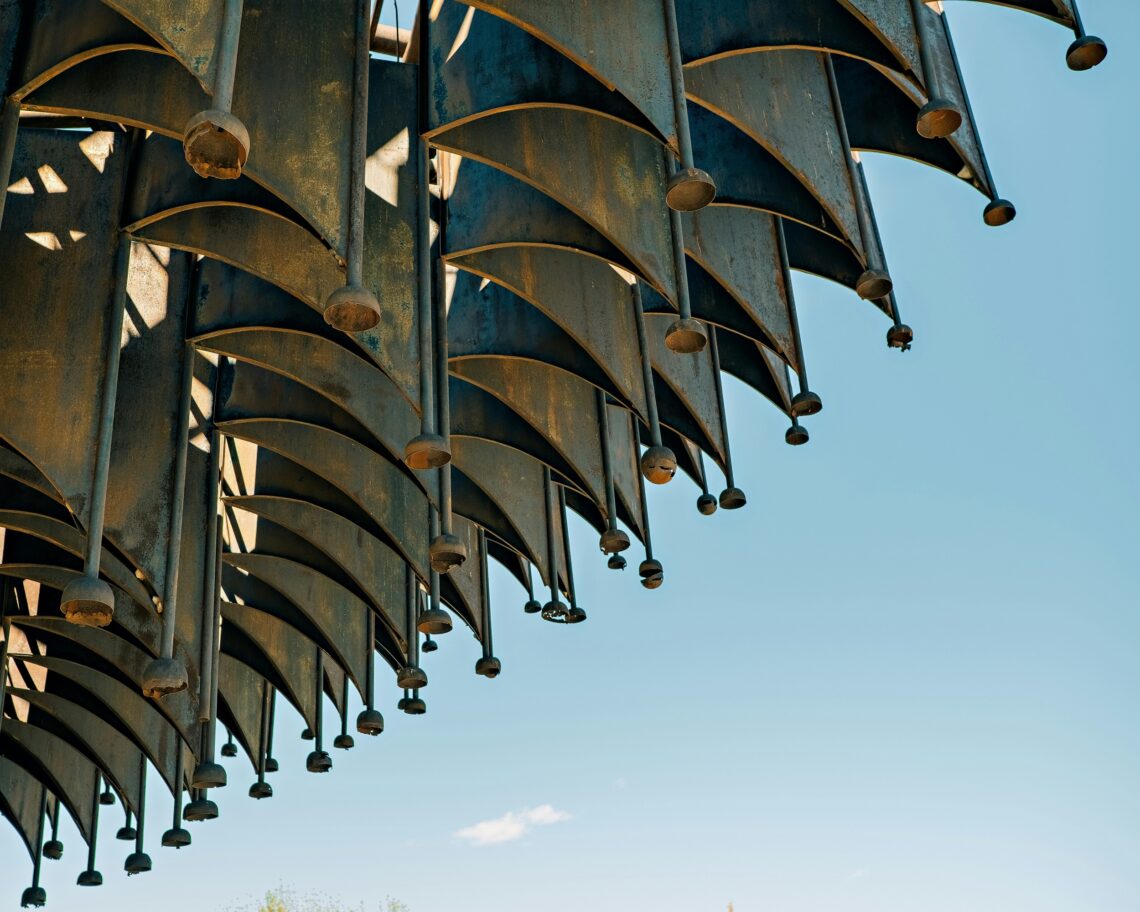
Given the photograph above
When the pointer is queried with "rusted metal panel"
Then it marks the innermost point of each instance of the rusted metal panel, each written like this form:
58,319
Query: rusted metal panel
188,29
239,690
50,759
20,801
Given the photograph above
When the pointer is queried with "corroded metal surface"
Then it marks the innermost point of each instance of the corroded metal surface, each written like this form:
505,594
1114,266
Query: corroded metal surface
238,461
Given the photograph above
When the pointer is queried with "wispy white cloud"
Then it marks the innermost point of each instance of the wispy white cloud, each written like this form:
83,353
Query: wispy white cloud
511,826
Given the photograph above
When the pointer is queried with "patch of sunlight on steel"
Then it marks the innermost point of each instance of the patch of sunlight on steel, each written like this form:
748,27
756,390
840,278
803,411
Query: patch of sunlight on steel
23,187
98,147
77,236
148,287
464,31
382,168
45,239
51,180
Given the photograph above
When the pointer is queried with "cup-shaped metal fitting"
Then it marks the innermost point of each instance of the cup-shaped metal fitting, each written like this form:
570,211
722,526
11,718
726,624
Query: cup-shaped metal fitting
732,498
107,798
429,645
137,863
613,541
434,621
200,809
176,838
307,734
533,606
446,552
402,704
89,878
318,762
873,285
686,336
616,562
344,742
1085,53
575,615
216,144
690,189
938,118
53,849
261,789
706,505
33,898
553,611
658,465
126,833
208,776
229,750
88,602
488,667
370,722
411,677
806,403
271,765
415,707
426,451
900,336
999,212
163,676
796,435
352,309
652,573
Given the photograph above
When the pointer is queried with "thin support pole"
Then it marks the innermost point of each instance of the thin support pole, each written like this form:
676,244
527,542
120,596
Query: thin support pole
646,365
227,52
9,127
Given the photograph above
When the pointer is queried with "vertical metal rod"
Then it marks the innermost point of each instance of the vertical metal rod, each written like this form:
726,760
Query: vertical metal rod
701,466
179,784
729,476
680,265
272,722
551,541
529,582
563,518
177,507
107,409
210,572
37,859
9,126
990,183
215,648
782,246
370,662
646,365
344,705
443,399
607,460
320,712
1078,22
423,230
94,825
355,265
55,819
142,804
485,594
227,51
411,597
677,84
644,502
6,628
263,732
433,577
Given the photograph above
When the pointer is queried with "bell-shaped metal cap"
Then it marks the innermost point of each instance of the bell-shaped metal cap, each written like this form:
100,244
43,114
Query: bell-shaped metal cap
307,734
873,285
706,505
415,706
402,704
575,615
370,722
652,573
318,762
555,612
88,602
271,765
658,465
216,144
33,898
127,834
89,878
533,606
488,667
344,742
796,435
429,645
352,309
900,336
411,677
107,798
208,776
176,838
999,212
938,118
426,451
732,498
1085,53
686,336
690,189
434,621
806,403
200,809
446,552
163,676
229,750
613,541
137,863
616,562
53,849
261,789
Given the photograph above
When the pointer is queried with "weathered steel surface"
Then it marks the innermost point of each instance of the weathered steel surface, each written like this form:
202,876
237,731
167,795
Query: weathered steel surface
186,28
20,801
240,699
53,761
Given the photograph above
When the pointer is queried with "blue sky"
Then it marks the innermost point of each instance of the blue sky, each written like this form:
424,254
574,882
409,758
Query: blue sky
902,679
